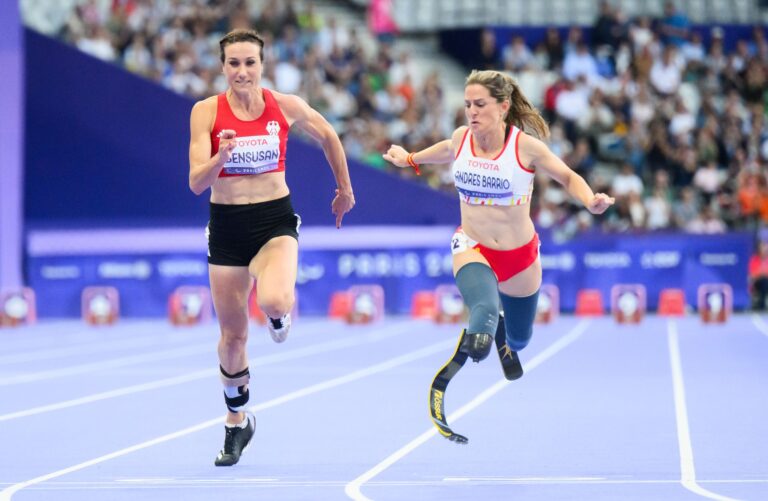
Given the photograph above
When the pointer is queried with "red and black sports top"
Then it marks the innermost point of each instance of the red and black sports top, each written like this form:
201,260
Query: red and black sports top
261,143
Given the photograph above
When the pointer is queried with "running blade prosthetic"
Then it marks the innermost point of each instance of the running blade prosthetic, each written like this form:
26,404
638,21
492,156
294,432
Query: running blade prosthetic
510,362
437,392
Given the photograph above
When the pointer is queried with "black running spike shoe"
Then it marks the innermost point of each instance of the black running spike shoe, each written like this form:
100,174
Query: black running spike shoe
236,440
510,362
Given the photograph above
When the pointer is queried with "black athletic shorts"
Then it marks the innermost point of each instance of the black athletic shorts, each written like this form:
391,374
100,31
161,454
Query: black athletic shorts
237,232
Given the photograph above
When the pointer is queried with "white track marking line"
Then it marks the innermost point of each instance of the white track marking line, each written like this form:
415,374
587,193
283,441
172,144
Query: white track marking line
87,348
107,364
128,390
121,337
48,343
178,352
687,469
758,321
373,336
352,489
118,339
7,494
273,482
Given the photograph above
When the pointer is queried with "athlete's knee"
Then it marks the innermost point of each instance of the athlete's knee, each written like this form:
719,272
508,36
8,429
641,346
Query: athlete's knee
478,345
479,288
275,305
233,320
236,393
233,337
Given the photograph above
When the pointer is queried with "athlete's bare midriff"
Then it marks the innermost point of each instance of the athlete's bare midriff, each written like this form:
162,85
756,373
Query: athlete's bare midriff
258,188
498,227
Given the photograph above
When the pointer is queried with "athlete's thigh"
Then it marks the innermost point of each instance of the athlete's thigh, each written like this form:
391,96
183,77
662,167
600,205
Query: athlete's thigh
276,265
230,287
468,256
524,283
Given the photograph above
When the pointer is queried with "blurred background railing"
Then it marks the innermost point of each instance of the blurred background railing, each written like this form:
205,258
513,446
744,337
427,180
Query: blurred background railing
432,15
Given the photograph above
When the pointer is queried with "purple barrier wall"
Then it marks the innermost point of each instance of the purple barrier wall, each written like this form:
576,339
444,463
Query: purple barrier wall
11,129
107,148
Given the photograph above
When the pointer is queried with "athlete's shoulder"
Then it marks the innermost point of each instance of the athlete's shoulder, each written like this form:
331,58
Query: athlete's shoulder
458,134
294,108
457,137
206,106
529,142
288,101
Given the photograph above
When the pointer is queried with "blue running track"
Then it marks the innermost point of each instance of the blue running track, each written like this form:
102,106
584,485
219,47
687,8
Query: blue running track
671,409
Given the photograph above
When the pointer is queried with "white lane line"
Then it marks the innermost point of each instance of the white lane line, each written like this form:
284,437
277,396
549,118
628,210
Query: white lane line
178,352
124,337
373,336
128,390
352,489
569,480
116,340
50,344
113,363
687,468
7,494
760,323
274,482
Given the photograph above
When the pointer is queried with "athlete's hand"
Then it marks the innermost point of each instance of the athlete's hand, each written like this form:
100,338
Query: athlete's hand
226,144
342,203
600,203
397,156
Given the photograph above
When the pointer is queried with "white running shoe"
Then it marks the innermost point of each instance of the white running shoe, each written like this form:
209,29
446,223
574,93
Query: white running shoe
279,327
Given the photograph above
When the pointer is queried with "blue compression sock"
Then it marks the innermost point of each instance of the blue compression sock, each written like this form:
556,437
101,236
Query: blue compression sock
519,314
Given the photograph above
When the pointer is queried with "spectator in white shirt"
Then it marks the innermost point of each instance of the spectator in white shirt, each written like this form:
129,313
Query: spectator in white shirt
626,182
666,73
682,121
708,179
98,43
572,102
641,33
288,76
580,63
658,209
693,50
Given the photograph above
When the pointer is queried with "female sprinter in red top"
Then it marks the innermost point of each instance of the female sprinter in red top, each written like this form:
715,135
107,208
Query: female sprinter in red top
237,149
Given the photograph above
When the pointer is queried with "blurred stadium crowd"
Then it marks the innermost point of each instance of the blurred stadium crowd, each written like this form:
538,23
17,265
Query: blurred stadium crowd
671,126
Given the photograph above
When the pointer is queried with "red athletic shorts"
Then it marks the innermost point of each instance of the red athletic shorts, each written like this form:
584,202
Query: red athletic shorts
504,263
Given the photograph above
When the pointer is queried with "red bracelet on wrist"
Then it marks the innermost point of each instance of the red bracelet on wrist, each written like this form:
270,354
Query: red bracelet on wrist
413,164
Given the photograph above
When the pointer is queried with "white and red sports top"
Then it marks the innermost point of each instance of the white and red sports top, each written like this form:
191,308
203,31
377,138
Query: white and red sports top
498,181
260,143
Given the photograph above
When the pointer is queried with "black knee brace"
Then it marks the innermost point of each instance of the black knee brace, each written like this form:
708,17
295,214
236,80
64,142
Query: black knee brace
235,389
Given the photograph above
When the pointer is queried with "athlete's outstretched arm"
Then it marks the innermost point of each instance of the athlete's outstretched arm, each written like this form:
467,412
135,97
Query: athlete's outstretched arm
308,120
534,152
439,153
